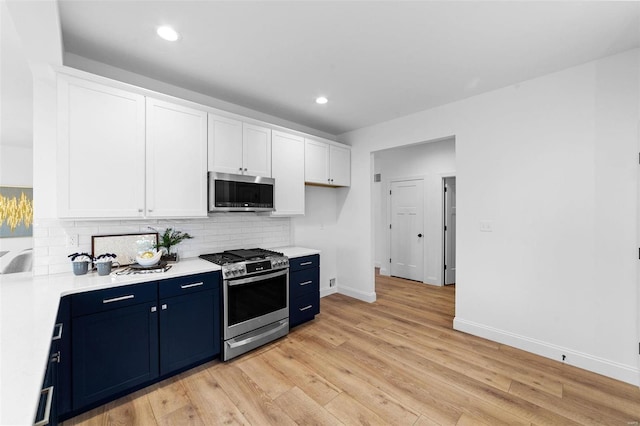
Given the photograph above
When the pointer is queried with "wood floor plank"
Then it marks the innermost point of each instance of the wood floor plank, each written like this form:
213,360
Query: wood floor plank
395,361
302,376
566,407
273,382
133,409
253,402
304,410
351,412
167,397
380,402
212,403
186,415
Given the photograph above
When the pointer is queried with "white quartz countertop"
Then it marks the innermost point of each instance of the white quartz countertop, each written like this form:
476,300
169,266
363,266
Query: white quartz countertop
296,251
28,310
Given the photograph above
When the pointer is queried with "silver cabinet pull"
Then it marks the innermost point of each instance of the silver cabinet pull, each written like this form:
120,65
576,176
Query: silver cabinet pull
118,299
306,308
306,283
55,357
305,263
150,210
154,308
191,285
139,210
47,407
164,306
57,336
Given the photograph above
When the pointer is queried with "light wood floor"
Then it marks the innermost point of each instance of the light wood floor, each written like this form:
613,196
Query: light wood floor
397,361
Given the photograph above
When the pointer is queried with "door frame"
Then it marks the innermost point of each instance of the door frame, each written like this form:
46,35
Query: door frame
389,182
443,177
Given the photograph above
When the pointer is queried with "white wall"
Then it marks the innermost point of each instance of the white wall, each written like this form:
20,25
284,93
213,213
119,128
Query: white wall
16,118
429,162
552,162
318,229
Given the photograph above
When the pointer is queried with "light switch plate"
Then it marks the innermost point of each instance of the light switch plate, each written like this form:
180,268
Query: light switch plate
486,226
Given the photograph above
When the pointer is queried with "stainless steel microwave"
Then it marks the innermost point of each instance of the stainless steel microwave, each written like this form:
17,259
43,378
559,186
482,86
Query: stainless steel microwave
240,193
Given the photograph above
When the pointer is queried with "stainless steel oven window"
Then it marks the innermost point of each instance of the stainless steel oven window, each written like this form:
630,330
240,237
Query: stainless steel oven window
255,301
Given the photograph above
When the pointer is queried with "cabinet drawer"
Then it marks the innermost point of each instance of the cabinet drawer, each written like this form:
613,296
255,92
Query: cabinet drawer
306,262
189,284
112,298
303,282
304,308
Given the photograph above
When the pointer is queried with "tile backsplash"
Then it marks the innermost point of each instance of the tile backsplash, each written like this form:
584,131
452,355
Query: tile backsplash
52,238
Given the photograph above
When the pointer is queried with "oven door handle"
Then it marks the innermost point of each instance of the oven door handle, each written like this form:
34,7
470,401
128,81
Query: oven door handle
235,344
253,279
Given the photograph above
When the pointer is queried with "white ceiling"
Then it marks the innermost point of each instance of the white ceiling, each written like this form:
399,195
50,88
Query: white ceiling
375,61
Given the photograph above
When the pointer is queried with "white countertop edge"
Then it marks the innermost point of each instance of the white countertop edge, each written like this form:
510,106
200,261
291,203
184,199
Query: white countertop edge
28,310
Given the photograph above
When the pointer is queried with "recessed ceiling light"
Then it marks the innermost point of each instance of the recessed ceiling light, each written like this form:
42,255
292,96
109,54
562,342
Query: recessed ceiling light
322,100
168,33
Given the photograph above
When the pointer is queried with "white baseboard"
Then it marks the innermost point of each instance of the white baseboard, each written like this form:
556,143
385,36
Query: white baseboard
626,373
327,291
357,294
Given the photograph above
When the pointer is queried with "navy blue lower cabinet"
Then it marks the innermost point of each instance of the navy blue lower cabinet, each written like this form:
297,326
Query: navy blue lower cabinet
189,320
304,289
189,330
113,351
62,353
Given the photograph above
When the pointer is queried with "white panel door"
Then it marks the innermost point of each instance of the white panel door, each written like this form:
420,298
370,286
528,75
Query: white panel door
288,171
224,145
407,233
340,165
176,160
450,230
256,150
316,162
101,143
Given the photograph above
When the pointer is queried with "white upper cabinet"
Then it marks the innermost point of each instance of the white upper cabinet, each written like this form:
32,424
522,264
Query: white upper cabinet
225,145
122,155
239,148
288,172
327,163
101,151
340,165
256,150
176,184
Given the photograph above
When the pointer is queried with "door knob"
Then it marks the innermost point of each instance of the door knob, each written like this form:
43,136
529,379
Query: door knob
419,235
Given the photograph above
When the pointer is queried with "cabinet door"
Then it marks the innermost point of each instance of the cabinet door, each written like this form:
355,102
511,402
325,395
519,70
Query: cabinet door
101,143
189,329
340,165
224,145
316,162
288,171
256,150
62,339
176,160
113,351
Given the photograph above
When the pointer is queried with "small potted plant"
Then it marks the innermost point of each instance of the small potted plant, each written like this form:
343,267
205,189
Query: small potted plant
80,262
169,238
104,262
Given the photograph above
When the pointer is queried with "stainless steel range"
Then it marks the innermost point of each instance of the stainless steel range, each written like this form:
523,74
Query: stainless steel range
255,286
